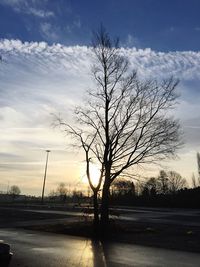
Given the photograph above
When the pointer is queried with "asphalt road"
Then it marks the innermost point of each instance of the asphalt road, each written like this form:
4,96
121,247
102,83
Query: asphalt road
39,249
36,249
187,217
26,216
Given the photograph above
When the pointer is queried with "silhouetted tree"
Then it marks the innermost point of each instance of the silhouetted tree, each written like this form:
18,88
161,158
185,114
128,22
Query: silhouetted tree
166,182
195,181
14,191
198,163
151,186
62,191
123,187
77,196
163,183
125,122
175,181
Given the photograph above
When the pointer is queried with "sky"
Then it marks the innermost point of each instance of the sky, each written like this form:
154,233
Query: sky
45,69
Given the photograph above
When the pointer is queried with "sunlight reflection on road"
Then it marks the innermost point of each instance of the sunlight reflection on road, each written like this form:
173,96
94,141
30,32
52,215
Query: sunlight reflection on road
39,249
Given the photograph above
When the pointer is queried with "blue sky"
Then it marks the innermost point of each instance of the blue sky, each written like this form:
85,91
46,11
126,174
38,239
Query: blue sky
161,25
46,68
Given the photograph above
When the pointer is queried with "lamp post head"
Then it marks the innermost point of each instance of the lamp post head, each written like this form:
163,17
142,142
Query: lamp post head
48,151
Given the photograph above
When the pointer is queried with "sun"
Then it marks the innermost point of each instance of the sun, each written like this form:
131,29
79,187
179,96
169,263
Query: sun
94,174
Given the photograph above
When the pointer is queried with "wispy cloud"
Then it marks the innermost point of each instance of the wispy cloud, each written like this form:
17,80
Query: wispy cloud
39,13
53,32
131,41
49,22
49,32
29,7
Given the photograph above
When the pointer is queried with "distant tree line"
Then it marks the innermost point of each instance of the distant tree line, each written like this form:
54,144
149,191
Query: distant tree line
169,189
64,194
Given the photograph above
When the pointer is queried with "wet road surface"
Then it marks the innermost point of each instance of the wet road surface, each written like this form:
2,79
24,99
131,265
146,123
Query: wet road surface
37,249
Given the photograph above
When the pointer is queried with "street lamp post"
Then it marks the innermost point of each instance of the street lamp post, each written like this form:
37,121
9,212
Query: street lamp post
45,175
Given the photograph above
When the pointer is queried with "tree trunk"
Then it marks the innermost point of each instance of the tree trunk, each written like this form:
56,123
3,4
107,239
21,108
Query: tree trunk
105,207
96,212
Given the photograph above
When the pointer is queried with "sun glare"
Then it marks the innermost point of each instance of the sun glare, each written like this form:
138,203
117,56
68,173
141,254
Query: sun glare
94,174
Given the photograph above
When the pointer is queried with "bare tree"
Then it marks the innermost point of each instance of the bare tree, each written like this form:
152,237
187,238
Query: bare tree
62,191
125,121
175,181
196,179
14,191
194,183
151,186
198,163
167,182
163,182
123,187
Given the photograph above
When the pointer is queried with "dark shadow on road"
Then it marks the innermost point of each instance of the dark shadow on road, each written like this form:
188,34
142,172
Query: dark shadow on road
99,255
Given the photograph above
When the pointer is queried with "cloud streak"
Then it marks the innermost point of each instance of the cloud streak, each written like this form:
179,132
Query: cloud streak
29,7
185,65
